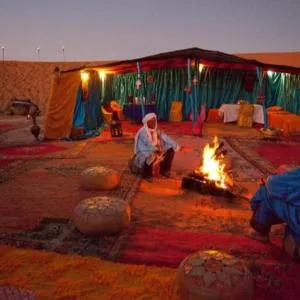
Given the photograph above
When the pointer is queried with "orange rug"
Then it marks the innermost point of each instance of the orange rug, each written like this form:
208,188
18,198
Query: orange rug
53,276
275,273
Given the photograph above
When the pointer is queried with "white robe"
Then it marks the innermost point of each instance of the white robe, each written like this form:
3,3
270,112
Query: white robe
144,148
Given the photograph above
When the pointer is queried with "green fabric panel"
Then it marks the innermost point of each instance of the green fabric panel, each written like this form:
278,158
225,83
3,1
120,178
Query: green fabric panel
218,86
283,90
108,95
167,85
215,87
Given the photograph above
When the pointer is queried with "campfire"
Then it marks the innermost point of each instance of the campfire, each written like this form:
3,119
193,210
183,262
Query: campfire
212,168
210,177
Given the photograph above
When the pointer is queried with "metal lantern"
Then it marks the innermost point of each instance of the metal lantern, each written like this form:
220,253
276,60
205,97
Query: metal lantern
116,126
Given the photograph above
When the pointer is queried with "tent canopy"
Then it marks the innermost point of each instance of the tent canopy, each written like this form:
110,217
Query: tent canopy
178,59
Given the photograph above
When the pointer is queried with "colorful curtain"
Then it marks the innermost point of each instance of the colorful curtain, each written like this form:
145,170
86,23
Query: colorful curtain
79,111
283,90
108,82
87,114
215,87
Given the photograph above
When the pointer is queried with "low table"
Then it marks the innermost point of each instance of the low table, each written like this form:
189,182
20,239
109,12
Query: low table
134,111
231,113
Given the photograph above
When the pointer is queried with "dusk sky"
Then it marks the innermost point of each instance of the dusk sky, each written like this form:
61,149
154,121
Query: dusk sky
121,29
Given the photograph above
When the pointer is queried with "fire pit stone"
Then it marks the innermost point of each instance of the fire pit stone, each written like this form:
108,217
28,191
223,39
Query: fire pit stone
212,274
197,182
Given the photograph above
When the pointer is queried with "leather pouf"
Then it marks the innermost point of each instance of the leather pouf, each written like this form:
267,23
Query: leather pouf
101,215
214,275
99,178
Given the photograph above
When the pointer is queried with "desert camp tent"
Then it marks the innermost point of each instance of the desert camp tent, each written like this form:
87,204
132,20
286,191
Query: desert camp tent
193,76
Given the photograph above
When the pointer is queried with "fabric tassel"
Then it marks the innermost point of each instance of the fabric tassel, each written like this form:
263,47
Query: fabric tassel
138,85
264,104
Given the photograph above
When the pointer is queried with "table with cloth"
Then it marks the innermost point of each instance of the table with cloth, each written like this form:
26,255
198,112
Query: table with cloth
230,113
134,111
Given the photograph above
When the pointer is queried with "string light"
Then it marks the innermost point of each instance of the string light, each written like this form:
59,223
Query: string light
84,76
201,66
102,75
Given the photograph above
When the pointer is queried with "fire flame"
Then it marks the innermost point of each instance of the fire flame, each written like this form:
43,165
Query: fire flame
212,168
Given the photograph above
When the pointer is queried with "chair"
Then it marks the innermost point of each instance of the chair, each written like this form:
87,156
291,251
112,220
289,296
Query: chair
116,107
176,111
241,101
246,115
107,116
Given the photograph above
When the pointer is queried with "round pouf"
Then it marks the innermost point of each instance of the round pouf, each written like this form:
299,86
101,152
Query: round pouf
101,215
99,178
214,275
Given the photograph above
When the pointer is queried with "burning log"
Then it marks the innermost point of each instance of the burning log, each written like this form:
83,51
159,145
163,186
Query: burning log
199,183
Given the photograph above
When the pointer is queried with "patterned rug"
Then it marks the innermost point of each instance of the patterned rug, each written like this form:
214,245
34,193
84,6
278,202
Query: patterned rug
276,275
50,275
59,234
155,245
168,247
5,127
13,293
280,153
10,168
29,150
245,148
130,129
266,156
243,167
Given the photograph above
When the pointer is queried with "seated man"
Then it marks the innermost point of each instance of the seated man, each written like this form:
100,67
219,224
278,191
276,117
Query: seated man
153,150
277,201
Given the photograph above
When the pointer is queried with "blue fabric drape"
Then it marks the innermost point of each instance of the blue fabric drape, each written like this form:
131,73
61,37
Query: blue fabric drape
218,86
87,113
93,118
283,90
215,87
280,197
79,112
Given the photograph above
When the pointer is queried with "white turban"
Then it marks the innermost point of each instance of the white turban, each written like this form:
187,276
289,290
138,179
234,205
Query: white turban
148,117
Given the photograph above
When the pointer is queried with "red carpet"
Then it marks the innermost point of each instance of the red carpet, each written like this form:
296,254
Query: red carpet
258,126
295,138
279,154
170,127
162,247
4,126
30,150
130,129
4,162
